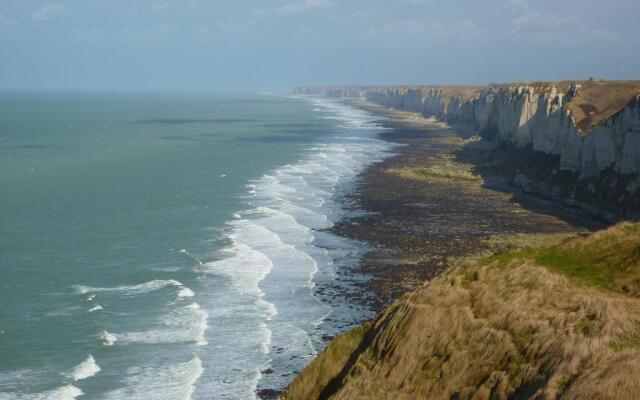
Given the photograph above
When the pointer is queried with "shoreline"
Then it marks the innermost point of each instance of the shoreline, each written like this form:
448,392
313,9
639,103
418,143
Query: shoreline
437,199
416,224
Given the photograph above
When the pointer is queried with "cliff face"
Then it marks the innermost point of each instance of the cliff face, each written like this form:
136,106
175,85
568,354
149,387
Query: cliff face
558,322
589,129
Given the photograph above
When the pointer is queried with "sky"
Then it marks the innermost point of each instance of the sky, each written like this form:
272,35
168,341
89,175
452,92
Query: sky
277,44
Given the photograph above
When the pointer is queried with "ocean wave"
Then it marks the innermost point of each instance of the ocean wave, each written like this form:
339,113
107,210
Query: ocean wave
182,325
165,381
243,265
108,339
131,290
270,309
85,369
189,256
67,392
186,292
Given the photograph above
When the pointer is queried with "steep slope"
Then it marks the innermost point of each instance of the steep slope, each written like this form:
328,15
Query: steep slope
578,142
559,322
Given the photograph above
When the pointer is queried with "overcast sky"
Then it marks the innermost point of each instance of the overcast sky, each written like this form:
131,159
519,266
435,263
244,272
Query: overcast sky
276,44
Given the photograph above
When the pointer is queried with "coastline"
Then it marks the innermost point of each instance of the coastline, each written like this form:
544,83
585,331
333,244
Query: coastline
438,199
482,291
433,201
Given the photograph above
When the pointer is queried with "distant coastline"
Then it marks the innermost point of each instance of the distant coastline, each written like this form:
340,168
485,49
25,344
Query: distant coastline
573,141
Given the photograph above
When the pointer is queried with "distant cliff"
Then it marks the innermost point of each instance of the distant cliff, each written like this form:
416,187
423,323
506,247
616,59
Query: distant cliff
574,141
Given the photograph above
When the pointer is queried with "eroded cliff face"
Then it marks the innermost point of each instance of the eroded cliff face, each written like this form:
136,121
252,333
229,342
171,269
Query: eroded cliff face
590,132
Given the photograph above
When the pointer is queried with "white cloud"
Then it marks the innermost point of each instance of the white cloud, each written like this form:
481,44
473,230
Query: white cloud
48,12
306,5
432,31
539,27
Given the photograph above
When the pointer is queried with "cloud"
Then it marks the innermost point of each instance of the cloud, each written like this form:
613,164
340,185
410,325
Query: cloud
433,31
48,12
306,5
534,26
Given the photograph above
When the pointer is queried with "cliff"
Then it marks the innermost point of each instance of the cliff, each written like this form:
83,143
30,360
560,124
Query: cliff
559,321
575,141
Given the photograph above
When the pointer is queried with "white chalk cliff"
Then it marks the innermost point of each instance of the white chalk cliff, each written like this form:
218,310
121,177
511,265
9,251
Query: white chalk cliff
592,126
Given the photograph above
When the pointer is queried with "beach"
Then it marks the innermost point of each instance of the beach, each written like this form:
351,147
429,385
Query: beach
439,198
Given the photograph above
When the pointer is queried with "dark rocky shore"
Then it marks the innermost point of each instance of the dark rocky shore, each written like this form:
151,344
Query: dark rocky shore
441,196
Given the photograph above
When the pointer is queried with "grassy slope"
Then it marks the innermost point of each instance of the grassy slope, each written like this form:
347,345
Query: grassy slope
558,322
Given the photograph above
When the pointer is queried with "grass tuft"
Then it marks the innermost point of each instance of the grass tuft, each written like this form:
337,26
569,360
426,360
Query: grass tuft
630,340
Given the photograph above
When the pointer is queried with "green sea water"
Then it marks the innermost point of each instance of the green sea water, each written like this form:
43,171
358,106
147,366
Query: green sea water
123,272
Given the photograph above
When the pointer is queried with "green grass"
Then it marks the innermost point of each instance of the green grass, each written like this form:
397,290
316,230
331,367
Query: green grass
587,268
611,267
610,261
631,340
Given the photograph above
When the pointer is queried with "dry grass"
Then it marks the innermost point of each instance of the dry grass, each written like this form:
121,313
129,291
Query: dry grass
598,101
496,328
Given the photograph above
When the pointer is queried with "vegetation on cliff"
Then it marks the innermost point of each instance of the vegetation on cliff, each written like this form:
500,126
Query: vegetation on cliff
559,321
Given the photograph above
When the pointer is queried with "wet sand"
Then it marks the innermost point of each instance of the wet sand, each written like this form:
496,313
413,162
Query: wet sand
439,197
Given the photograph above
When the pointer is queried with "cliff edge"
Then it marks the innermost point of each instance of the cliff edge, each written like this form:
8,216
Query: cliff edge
560,321
575,141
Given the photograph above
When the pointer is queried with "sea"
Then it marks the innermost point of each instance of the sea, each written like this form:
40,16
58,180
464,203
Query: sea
171,245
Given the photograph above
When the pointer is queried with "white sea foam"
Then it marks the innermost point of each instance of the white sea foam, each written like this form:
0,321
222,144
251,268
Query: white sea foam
245,266
182,325
186,292
95,308
108,339
270,310
131,290
188,255
67,392
85,369
165,381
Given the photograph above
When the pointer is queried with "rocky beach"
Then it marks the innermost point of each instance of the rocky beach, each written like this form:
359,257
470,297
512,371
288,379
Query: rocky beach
439,198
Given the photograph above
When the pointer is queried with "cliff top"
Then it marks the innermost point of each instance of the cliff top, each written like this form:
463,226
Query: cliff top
596,102
593,103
